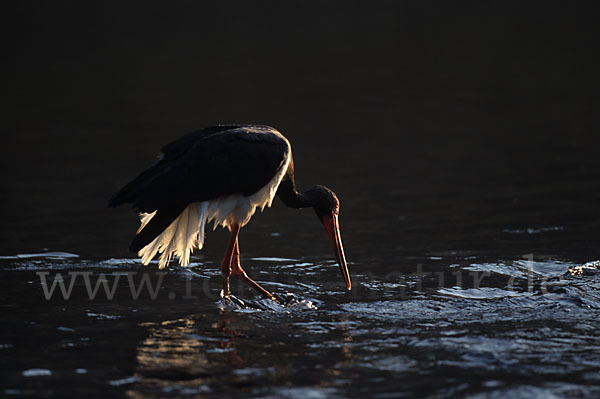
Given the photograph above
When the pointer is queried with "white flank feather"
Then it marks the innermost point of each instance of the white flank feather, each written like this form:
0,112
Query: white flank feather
181,237
186,232
144,219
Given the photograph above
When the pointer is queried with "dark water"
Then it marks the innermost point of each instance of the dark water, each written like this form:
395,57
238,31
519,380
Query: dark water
443,305
462,142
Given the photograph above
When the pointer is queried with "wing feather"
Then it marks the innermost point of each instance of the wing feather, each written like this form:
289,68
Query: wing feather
201,166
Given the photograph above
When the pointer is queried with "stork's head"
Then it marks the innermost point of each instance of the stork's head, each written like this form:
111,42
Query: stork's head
327,207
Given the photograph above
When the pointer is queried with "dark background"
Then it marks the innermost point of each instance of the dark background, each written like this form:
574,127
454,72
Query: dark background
426,116
459,136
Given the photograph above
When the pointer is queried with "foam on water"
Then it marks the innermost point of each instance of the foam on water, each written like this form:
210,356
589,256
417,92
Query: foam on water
47,255
481,293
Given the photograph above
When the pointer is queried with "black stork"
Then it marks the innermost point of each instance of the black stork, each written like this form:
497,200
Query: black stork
220,174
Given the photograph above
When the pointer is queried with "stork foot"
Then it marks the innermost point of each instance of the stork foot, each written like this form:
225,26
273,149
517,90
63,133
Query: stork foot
241,274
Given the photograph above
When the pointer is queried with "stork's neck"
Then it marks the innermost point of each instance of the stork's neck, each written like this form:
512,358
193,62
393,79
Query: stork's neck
290,196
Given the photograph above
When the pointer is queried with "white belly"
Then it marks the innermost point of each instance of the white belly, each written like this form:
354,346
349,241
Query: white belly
187,231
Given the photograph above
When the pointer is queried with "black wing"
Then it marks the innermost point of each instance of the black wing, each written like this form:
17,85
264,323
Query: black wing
200,166
137,190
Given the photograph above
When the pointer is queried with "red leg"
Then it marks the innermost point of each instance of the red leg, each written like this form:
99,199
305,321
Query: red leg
226,265
241,273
